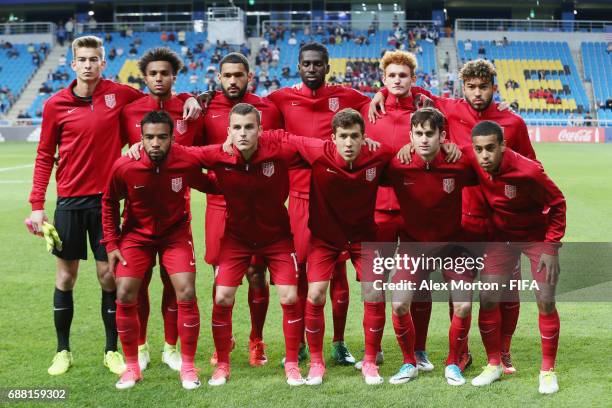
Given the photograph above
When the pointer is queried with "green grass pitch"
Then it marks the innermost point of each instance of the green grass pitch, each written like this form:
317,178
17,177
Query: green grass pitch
27,337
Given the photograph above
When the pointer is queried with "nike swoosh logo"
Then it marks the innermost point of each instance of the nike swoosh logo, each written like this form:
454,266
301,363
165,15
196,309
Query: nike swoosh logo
513,306
342,301
138,125
215,116
137,187
376,330
487,332
172,310
123,331
72,110
57,309
408,184
551,337
331,171
402,335
111,311
191,263
312,331
295,103
461,338
294,321
191,325
228,168
218,325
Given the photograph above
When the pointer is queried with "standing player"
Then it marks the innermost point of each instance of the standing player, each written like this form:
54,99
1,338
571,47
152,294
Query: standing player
429,192
308,109
528,208
234,76
159,67
156,221
478,78
82,123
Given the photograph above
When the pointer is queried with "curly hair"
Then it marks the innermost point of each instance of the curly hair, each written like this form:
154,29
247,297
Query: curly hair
160,54
399,58
479,68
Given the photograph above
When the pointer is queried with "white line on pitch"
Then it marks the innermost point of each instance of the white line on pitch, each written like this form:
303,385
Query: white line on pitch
23,166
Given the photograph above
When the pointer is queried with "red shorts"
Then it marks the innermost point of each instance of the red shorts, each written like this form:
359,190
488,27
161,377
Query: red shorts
323,257
504,259
176,254
389,225
214,228
475,229
236,256
298,217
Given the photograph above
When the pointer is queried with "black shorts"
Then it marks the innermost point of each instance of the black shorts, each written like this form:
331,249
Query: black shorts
73,226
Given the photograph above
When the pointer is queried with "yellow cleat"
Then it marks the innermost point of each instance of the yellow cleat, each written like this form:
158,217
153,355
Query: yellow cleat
61,363
113,360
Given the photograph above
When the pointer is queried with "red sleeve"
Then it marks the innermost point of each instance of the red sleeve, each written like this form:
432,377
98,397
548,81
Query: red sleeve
308,147
205,156
115,191
276,98
130,94
546,193
440,103
49,137
205,182
123,132
358,100
523,143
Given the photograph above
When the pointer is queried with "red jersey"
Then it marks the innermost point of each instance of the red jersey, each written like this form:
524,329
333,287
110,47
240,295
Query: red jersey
88,139
309,113
186,132
527,205
429,195
342,195
216,122
256,190
392,130
155,196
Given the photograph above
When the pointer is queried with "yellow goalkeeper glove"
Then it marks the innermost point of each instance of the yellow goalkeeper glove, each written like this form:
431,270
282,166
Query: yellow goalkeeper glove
52,238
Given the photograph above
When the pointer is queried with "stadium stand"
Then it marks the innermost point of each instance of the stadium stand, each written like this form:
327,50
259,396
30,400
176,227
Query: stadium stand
597,61
540,76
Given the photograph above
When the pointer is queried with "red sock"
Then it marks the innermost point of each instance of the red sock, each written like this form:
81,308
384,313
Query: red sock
314,321
258,305
373,328
509,318
169,311
222,331
404,332
128,327
189,330
339,294
457,337
302,292
489,324
421,313
550,326
293,327
144,307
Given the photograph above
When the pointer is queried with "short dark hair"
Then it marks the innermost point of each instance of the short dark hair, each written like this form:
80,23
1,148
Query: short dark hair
235,58
347,118
244,109
160,54
315,46
487,128
157,117
434,117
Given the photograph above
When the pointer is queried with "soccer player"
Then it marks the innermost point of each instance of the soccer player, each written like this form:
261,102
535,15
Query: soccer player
156,222
478,78
82,123
255,182
308,109
159,67
234,77
528,208
428,189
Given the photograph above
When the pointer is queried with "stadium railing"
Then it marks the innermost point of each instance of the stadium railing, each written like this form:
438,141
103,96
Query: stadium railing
313,24
149,26
530,25
27,28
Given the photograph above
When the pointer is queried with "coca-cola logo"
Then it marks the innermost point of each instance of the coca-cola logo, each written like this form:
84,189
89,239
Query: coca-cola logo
578,135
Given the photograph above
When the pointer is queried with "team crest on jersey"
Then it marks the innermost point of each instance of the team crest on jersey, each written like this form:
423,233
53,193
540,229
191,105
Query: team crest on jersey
110,100
177,184
510,191
371,174
334,104
181,126
268,169
448,185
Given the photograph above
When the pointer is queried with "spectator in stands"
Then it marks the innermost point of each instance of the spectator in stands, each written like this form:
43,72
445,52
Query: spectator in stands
447,61
36,59
133,50
45,88
164,37
92,24
609,104
44,48
62,60
38,113
182,37
31,49
505,42
292,39
12,52
60,34
108,38
137,41
129,32
482,51
23,115
609,48
119,51
275,57
171,37
69,27
588,119
514,105
193,78
467,46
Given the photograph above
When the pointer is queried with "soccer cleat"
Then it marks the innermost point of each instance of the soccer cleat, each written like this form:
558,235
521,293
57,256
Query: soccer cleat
303,354
406,373
341,354
144,357
423,363
189,379
380,358
548,382
221,375
315,374
465,361
453,375
490,374
172,357
129,378
370,374
294,376
114,361
506,360
214,359
61,363
257,353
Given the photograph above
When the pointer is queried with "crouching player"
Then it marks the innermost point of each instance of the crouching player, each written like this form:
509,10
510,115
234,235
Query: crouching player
528,210
155,222
429,191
